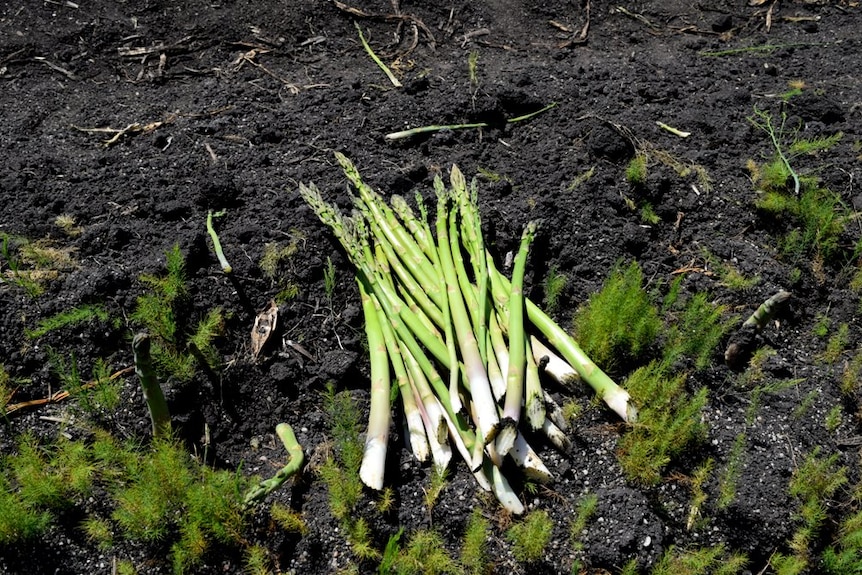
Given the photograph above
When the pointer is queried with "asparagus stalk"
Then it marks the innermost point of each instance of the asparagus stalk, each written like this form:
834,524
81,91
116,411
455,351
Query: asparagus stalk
401,240
153,394
294,464
480,388
419,229
377,435
613,395
412,411
225,266
535,403
517,353
553,365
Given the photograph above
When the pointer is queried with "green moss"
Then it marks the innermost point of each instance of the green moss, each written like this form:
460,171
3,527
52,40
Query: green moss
474,547
836,345
713,560
728,275
584,512
389,559
11,249
618,323
288,519
39,481
208,329
833,418
813,484
636,170
158,484
802,408
20,521
256,561
439,480
669,423
699,478
699,328
329,279
98,531
729,479
340,471
531,536
852,373
815,216
648,215
581,179
6,390
72,317
553,286
425,554
844,556
821,325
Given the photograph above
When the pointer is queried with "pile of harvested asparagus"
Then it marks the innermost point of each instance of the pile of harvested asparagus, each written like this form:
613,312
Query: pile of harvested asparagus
457,337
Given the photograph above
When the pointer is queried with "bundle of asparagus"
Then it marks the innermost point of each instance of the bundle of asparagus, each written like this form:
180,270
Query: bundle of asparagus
436,306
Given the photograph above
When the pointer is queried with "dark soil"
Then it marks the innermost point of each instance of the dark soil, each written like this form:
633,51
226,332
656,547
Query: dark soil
239,101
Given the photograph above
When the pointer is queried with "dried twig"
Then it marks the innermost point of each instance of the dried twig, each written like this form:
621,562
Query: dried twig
61,395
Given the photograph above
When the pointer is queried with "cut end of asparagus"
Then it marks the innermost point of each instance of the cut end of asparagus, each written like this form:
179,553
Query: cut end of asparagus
416,436
620,402
556,435
373,463
506,436
535,409
553,365
505,495
528,460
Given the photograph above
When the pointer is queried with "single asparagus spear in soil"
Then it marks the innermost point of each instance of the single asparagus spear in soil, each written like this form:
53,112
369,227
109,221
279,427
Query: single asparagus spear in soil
225,266
377,435
741,343
294,464
153,395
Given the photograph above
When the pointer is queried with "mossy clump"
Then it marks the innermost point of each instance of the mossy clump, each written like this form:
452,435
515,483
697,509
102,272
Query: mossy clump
553,285
158,495
636,170
425,554
697,327
531,536
6,390
814,215
474,547
668,423
161,311
619,323
714,560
